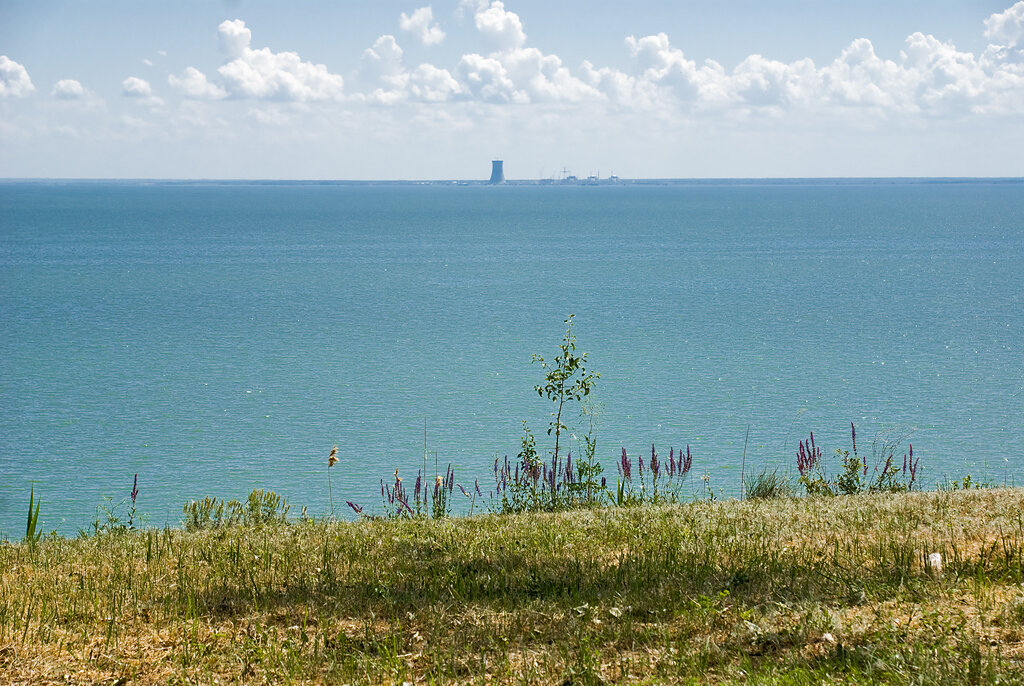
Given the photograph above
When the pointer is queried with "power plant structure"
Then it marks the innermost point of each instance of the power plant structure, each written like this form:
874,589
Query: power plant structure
497,173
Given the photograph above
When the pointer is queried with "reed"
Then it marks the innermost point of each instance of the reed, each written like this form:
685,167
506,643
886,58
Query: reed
332,459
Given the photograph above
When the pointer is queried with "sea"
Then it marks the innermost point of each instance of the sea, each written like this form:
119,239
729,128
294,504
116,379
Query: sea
211,338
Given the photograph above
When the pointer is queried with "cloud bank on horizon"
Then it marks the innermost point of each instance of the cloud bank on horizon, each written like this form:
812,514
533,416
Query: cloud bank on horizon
929,79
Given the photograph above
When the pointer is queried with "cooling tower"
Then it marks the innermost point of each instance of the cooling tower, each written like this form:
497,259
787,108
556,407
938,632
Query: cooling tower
497,173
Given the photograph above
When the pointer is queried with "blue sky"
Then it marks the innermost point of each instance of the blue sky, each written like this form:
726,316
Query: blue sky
386,90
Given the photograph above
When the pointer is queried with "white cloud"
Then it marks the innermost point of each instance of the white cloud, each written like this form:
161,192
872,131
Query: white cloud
193,84
148,62
616,86
432,84
929,78
68,89
14,78
134,87
858,77
422,25
234,37
513,73
662,67
1006,28
762,82
502,29
543,78
383,61
488,80
382,64
265,74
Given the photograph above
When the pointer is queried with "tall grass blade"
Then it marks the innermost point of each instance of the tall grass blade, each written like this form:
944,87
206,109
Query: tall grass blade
33,518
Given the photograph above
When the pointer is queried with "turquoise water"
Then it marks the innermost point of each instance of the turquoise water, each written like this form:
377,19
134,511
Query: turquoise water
218,338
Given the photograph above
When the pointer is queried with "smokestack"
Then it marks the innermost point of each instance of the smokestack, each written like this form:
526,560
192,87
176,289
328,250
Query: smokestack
497,173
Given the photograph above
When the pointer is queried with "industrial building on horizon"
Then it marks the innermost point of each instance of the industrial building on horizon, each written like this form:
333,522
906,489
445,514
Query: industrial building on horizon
567,179
497,172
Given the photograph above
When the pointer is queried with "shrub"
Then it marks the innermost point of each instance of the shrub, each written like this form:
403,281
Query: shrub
856,475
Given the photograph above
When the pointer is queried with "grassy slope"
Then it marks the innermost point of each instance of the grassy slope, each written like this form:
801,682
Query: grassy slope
788,591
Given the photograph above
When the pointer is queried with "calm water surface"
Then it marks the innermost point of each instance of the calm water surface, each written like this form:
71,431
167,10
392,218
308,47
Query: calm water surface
219,338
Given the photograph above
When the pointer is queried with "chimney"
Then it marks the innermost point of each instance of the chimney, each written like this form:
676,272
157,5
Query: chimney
497,173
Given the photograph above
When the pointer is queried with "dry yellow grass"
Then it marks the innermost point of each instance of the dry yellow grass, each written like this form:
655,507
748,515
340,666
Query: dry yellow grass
780,591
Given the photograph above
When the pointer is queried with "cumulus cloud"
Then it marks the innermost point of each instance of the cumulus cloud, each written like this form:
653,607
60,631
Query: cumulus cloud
265,74
68,89
382,64
1006,28
859,77
14,78
502,29
929,77
234,37
513,73
193,84
432,84
383,61
664,70
488,80
139,89
421,24
134,87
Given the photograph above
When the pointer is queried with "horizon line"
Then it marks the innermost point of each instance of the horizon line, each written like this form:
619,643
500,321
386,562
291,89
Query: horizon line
485,182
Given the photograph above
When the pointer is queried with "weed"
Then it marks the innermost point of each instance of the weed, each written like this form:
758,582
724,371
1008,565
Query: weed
332,460
856,475
260,508
31,534
768,485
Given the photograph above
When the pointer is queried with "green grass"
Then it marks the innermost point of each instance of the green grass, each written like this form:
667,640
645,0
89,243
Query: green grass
779,591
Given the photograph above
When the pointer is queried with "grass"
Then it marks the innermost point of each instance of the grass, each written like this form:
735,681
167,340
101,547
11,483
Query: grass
776,591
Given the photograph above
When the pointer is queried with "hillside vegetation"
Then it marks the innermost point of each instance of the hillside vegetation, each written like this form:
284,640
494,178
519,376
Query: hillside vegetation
779,591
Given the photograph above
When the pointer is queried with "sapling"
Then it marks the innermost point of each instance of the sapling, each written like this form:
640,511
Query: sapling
566,379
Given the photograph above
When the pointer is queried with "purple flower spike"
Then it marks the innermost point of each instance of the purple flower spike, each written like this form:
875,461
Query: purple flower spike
356,508
913,466
807,456
135,489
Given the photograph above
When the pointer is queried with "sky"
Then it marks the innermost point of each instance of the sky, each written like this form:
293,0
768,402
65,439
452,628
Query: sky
321,89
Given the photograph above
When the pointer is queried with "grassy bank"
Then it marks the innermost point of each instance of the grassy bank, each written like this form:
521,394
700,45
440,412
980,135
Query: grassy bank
803,590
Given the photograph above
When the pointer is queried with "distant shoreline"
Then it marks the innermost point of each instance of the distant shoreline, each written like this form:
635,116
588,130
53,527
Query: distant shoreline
542,183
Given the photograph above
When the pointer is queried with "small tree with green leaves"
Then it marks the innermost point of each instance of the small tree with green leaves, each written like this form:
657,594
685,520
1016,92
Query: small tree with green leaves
565,380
